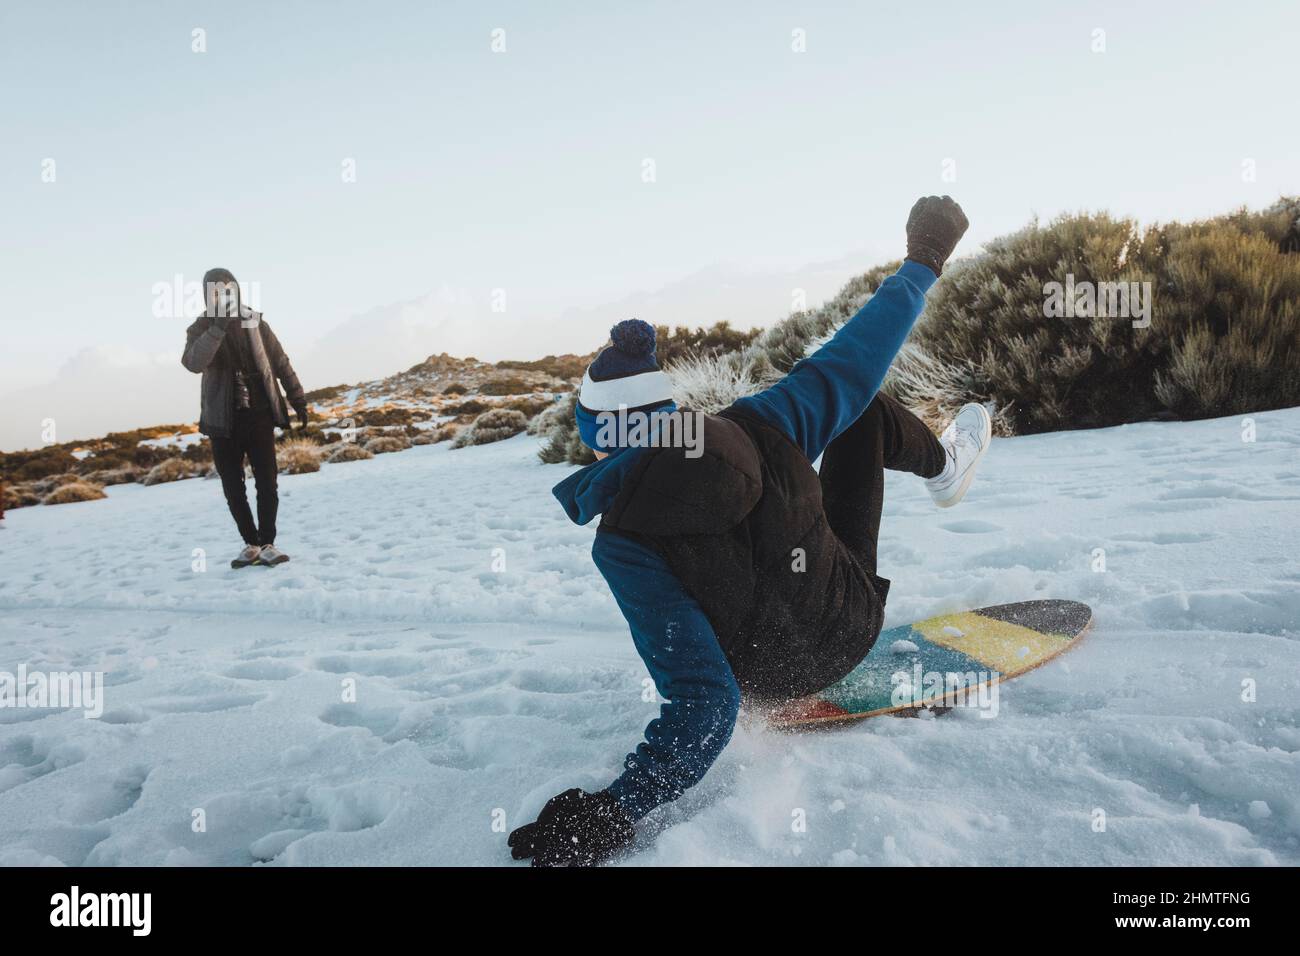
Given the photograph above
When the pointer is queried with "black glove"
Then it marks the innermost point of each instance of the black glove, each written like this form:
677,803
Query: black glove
934,228
221,322
301,412
574,829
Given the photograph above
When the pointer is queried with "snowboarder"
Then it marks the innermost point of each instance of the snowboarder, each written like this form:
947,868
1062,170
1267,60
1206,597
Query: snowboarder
742,569
241,360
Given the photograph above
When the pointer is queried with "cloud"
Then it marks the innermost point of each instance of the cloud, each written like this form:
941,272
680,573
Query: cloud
101,389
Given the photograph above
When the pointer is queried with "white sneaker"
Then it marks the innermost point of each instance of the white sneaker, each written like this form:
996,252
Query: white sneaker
271,556
248,556
966,439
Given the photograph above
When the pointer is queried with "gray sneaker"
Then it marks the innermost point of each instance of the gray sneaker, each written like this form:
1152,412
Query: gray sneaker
248,556
271,556
966,439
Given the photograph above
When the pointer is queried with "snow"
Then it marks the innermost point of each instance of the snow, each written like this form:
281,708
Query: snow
491,669
178,441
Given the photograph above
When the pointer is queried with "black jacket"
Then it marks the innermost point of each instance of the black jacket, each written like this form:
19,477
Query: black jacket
207,351
743,528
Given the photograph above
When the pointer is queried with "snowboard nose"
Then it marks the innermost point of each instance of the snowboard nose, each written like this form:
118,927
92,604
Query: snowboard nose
1068,618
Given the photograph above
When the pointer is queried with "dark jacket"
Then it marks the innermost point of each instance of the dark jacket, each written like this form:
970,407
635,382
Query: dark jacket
681,644
207,351
743,528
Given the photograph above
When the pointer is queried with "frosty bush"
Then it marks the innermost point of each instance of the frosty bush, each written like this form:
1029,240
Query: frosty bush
114,476
547,418
347,451
384,444
562,443
493,425
297,456
75,491
173,469
1224,335
710,382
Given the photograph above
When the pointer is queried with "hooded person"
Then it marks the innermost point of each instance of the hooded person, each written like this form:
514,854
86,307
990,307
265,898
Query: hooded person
243,366
740,569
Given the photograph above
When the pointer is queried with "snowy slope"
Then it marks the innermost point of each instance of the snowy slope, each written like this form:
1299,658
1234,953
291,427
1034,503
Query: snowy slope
482,693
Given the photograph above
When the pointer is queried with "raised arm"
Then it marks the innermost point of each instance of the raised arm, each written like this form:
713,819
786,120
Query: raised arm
826,392
202,340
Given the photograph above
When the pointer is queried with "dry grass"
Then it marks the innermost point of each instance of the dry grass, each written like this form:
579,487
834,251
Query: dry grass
298,456
114,476
384,444
22,495
346,451
173,469
75,491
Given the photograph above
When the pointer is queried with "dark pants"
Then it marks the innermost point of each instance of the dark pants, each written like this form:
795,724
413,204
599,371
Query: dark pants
253,435
886,435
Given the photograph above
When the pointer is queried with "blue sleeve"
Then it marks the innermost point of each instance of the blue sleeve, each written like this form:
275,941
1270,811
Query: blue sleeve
826,392
689,671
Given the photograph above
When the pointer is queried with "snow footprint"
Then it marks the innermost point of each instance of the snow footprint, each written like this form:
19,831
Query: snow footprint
103,801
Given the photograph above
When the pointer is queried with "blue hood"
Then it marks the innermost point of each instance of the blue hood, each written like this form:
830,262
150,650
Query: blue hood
588,492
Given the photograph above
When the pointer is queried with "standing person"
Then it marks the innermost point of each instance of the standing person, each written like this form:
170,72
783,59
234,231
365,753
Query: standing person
741,569
243,366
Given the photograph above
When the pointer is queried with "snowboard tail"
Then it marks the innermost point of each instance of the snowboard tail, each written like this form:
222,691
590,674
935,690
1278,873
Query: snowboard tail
942,662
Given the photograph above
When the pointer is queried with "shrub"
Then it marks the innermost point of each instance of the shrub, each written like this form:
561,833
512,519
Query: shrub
494,425
1224,334
319,395
45,485
347,451
384,444
42,464
75,491
298,456
506,385
530,407
471,407
675,344
547,418
388,415
20,496
566,367
173,469
456,388
125,474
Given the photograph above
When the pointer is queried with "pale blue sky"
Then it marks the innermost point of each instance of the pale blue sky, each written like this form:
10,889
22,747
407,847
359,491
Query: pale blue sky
522,170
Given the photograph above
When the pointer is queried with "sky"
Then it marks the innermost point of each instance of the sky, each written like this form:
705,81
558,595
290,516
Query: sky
526,174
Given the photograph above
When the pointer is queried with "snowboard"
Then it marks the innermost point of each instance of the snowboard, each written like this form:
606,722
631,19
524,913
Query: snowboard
940,663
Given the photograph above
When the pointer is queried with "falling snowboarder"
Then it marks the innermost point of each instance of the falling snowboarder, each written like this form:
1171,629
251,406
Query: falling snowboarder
241,360
744,570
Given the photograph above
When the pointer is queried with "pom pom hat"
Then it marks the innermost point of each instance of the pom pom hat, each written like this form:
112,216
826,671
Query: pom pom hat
623,377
